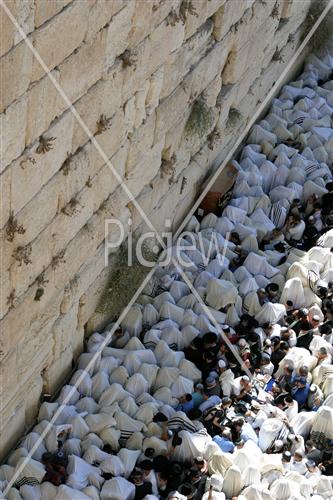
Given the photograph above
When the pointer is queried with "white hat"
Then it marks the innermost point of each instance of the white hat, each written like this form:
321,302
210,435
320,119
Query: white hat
222,364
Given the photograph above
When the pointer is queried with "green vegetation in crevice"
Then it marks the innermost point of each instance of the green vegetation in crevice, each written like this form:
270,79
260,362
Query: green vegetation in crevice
124,279
324,30
200,120
234,117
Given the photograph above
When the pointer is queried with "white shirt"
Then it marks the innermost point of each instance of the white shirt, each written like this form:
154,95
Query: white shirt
298,467
296,232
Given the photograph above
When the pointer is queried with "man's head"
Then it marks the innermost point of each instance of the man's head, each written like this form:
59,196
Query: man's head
146,467
298,456
300,382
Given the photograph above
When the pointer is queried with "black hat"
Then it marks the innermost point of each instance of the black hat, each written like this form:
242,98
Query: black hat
160,417
146,465
209,338
187,489
194,414
161,463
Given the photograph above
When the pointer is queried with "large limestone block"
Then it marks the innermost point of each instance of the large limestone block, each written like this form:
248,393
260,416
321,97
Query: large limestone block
144,171
136,73
43,107
12,425
27,181
46,10
140,142
161,9
100,14
58,372
23,12
34,387
15,70
12,125
118,32
140,22
154,91
171,109
103,98
180,62
58,38
9,377
83,68
163,41
63,329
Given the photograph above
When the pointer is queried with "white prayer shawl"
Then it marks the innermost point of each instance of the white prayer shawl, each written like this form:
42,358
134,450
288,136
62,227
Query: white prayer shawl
132,322
118,488
247,286
250,244
257,264
119,376
233,482
189,370
293,290
234,214
218,265
152,338
270,313
47,410
251,304
66,493
189,319
29,442
220,293
224,226
251,475
150,316
241,273
32,469
161,299
226,380
134,360
232,318
192,446
203,278
322,427
99,421
209,220
189,333
282,489
150,373
269,432
181,386
115,393
302,423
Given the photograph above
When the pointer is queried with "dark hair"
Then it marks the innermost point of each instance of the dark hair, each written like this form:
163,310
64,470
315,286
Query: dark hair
288,399
188,397
329,186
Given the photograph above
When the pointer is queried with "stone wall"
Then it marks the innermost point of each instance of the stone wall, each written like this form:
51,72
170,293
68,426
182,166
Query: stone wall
165,86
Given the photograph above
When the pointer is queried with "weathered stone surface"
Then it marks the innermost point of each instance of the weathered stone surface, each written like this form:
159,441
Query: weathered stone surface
58,38
12,125
43,106
15,70
46,10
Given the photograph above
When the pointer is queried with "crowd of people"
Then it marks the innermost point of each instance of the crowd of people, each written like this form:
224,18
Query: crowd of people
234,399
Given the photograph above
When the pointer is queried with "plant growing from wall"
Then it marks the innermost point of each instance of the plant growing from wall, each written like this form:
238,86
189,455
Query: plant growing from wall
13,227
275,11
89,182
72,208
168,168
200,119
213,137
129,58
66,166
58,259
183,185
277,56
39,293
186,9
29,159
45,144
11,299
22,254
234,117
103,124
